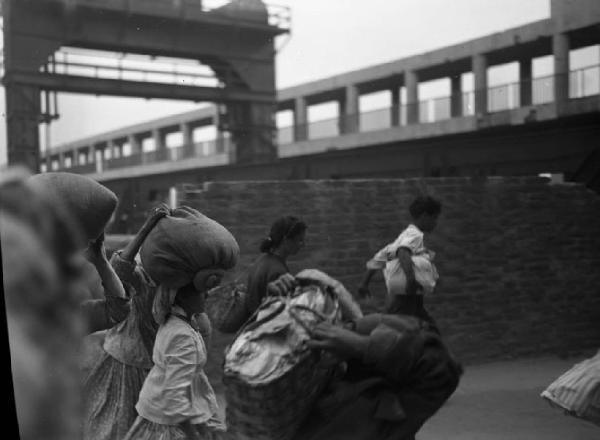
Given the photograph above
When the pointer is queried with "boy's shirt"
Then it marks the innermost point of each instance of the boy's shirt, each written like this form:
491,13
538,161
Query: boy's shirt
426,274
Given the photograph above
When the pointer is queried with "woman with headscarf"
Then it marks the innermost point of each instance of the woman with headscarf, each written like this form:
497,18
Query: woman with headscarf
285,239
174,251
177,399
91,205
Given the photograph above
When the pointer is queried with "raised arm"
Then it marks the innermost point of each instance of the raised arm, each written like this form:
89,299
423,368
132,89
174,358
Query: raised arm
405,258
96,255
103,313
390,351
123,262
131,250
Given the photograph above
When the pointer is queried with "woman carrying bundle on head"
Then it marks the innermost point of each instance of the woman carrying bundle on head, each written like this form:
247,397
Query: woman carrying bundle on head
177,400
285,240
91,206
39,238
174,249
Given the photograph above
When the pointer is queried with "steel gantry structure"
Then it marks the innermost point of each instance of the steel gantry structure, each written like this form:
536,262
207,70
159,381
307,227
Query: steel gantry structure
235,40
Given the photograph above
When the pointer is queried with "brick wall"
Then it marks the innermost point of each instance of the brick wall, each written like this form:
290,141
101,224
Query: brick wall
519,259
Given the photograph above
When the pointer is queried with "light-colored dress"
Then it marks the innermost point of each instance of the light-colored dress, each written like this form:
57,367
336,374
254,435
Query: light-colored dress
176,389
117,360
577,391
395,279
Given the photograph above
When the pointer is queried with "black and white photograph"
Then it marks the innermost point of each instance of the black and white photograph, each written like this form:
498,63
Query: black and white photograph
300,219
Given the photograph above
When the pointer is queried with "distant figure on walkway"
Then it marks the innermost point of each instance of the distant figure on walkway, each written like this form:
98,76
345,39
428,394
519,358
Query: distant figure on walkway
286,238
407,264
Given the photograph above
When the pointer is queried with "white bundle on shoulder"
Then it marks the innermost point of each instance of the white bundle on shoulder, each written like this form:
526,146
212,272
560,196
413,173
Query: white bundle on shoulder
425,274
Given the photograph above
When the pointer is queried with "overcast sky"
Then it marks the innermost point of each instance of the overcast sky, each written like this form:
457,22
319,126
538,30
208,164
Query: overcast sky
328,37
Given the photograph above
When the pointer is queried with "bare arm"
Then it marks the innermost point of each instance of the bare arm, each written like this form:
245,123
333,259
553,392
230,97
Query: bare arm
405,258
114,307
96,255
131,250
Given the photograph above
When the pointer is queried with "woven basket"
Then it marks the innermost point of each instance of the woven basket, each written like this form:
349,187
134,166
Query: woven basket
275,410
226,307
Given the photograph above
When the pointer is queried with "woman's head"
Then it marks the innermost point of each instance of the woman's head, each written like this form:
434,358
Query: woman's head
287,236
192,297
425,211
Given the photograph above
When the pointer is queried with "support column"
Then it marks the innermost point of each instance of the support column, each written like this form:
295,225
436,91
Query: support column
220,139
560,49
252,127
186,132
91,154
300,119
134,144
396,107
479,62
115,153
525,82
99,157
456,96
411,82
159,141
349,110
22,112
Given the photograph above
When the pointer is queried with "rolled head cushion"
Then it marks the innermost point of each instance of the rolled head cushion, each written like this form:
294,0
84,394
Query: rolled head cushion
91,203
183,243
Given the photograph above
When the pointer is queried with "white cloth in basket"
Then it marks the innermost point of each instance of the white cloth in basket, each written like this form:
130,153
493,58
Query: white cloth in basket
264,353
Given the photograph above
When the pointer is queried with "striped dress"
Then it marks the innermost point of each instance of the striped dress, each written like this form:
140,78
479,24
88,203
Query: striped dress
118,360
578,390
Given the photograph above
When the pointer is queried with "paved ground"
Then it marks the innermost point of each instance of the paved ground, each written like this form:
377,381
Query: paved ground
501,400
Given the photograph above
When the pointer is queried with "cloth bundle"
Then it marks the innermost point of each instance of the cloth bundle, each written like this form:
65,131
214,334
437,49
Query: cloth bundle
183,243
272,345
425,274
91,203
269,361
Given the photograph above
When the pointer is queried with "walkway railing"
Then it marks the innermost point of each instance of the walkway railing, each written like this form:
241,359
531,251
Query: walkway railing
582,83
537,91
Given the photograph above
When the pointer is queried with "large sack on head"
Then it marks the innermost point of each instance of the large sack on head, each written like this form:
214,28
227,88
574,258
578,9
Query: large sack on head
183,243
91,203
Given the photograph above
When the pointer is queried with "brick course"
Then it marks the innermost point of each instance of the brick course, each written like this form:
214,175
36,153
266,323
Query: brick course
518,258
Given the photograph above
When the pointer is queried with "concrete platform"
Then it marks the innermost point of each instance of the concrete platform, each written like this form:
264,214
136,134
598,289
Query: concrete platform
500,400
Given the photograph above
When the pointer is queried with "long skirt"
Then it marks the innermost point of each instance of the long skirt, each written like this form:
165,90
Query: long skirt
143,429
111,391
577,391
